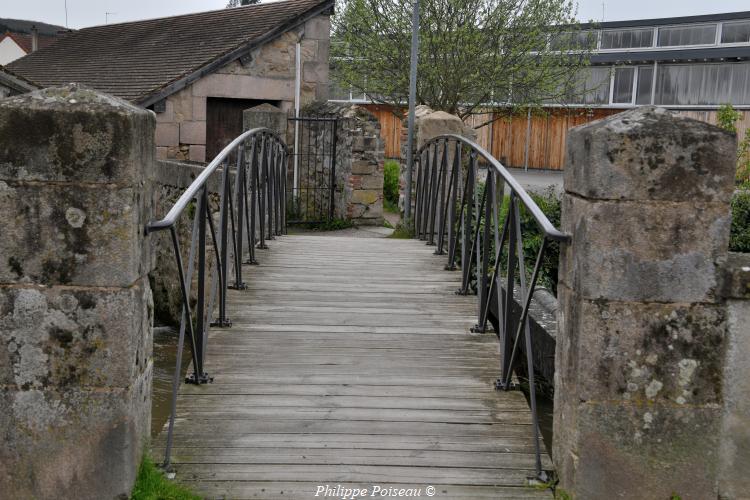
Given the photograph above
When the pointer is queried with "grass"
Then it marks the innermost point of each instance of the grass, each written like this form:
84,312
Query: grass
152,484
390,206
403,231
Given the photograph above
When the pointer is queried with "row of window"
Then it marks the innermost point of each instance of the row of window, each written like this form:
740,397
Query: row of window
728,32
673,85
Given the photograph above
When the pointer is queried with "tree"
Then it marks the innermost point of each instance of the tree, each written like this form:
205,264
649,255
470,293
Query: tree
472,53
241,3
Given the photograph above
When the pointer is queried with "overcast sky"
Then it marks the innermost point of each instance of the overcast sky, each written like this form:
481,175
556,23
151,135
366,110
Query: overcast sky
83,13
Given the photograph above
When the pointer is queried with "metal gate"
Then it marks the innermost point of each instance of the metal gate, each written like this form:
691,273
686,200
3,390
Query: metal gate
311,193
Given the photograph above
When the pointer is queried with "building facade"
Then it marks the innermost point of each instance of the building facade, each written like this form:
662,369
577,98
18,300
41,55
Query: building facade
692,65
197,72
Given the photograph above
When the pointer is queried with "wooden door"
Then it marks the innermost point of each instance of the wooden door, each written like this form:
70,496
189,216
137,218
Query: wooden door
224,121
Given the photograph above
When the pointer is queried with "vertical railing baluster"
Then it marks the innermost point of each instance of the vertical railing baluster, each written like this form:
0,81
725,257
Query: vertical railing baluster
467,244
506,347
443,205
434,191
239,184
482,279
249,195
199,376
452,199
224,236
260,182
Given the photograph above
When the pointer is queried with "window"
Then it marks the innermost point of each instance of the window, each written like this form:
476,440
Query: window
703,84
622,91
591,87
573,41
736,32
627,38
704,34
644,85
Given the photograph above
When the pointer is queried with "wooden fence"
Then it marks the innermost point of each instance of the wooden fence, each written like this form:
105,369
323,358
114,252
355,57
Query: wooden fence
506,136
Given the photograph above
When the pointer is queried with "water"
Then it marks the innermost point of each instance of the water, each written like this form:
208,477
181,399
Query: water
165,355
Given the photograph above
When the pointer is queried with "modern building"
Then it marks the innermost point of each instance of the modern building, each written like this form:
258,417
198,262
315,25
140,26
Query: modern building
690,64
198,72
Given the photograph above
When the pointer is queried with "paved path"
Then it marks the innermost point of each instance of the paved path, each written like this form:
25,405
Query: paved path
350,363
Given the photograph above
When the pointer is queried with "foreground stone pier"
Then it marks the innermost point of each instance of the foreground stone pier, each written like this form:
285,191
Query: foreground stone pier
75,307
641,346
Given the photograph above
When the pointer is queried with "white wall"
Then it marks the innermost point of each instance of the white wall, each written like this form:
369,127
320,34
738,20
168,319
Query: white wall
9,51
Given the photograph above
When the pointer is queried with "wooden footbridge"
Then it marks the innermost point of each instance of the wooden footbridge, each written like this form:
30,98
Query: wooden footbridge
350,362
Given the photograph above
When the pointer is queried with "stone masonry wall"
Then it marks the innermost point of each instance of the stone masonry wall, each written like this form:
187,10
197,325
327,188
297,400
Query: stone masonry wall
360,157
269,75
642,336
428,123
75,304
169,180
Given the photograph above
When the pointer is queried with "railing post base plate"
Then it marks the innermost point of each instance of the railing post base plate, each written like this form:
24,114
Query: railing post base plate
251,262
203,378
227,323
478,329
500,386
236,286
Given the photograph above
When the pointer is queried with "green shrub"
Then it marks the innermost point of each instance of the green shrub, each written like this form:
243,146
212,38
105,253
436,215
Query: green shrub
739,238
391,173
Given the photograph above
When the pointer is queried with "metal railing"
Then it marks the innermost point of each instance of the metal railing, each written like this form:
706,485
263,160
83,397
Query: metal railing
452,206
251,201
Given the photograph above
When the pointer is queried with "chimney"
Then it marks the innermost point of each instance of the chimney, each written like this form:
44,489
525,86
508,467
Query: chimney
34,39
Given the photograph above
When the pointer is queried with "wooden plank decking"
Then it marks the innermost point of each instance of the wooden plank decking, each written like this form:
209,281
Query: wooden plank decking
350,362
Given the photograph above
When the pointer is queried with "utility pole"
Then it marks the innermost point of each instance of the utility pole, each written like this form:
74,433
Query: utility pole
412,104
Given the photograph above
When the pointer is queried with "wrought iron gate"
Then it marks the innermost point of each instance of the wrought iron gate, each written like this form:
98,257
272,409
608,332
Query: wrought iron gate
311,192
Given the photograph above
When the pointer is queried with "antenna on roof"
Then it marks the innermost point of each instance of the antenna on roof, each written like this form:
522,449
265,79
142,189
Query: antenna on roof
66,13
603,6
106,16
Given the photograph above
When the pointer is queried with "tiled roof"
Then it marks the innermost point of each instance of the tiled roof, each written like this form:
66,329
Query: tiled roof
24,40
138,59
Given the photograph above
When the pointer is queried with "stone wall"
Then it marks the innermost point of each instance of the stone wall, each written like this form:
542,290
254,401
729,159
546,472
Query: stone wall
169,180
641,346
75,304
428,124
268,74
359,160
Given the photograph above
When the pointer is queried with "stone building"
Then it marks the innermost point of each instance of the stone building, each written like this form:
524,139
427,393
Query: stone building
198,72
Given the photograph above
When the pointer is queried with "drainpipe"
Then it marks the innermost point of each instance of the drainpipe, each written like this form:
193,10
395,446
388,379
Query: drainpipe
297,86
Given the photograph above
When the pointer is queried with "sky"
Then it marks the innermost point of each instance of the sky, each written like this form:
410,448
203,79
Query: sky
82,13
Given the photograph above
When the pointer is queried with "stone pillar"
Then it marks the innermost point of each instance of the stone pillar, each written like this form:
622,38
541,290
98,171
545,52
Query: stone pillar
734,480
265,115
75,306
428,124
640,348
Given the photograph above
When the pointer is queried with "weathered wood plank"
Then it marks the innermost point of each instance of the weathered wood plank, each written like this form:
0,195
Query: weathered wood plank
350,361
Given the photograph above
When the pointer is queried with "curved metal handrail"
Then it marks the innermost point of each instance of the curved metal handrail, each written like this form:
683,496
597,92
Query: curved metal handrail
251,201
545,225
447,204
190,193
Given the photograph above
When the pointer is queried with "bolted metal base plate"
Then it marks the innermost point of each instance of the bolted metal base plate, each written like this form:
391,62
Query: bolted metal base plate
500,386
430,243
262,247
450,268
235,286
203,378
478,329
251,262
436,252
461,292
227,323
